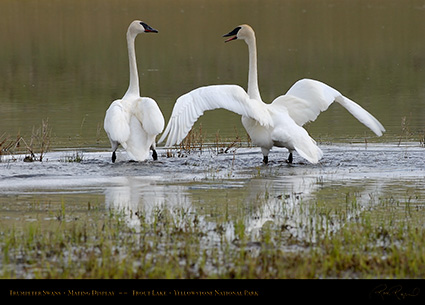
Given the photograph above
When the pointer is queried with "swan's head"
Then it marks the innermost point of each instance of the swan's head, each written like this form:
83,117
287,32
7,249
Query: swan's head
137,27
243,32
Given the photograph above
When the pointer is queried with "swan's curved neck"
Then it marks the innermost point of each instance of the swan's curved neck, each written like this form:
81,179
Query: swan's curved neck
133,88
253,90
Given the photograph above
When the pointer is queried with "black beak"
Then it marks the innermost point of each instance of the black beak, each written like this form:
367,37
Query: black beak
233,33
148,29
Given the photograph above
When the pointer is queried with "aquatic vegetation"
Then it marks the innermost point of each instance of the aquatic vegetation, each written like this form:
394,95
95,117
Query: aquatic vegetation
211,210
34,149
407,134
257,239
74,157
215,215
7,145
197,141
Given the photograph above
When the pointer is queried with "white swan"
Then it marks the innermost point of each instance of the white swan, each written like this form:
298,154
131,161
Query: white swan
276,124
134,121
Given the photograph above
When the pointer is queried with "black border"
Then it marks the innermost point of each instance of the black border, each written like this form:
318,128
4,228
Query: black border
375,291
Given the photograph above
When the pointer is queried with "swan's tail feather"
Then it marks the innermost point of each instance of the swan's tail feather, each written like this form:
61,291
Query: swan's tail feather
296,138
312,153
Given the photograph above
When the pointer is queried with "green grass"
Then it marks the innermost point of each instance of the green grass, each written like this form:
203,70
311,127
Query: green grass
383,241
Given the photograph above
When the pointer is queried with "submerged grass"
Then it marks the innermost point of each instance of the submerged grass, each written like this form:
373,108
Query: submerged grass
383,241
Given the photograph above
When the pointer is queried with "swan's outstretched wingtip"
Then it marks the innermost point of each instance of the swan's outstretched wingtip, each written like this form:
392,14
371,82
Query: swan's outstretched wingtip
380,132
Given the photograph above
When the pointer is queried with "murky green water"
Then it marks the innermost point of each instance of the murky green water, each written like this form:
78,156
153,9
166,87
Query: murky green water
67,61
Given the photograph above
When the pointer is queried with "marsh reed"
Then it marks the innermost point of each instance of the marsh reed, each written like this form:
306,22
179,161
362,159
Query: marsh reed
34,149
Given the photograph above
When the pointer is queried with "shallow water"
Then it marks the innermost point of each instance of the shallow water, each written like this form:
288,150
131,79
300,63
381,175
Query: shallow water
206,183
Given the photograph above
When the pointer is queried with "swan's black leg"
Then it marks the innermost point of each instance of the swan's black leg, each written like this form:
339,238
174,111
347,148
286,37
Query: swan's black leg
154,155
114,156
290,159
266,159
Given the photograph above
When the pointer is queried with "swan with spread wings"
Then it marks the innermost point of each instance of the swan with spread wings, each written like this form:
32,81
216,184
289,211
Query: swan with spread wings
276,124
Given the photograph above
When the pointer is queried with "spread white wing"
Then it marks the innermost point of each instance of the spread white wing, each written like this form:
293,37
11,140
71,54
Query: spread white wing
307,98
190,106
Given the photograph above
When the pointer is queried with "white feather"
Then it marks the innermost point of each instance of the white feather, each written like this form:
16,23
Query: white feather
277,124
190,106
149,115
307,98
133,121
117,122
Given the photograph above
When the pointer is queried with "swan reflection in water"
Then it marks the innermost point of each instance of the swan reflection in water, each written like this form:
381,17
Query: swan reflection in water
136,196
143,199
290,202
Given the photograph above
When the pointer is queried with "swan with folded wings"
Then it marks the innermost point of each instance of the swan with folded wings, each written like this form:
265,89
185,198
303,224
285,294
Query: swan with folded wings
276,124
134,121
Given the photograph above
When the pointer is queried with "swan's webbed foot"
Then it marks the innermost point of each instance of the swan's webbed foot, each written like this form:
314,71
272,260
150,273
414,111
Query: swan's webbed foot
154,155
114,156
290,159
266,159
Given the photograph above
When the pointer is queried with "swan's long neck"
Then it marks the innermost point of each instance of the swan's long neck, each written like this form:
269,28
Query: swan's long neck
253,90
133,88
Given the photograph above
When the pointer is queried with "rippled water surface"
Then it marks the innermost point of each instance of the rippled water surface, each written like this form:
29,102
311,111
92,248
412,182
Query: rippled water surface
65,62
203,181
